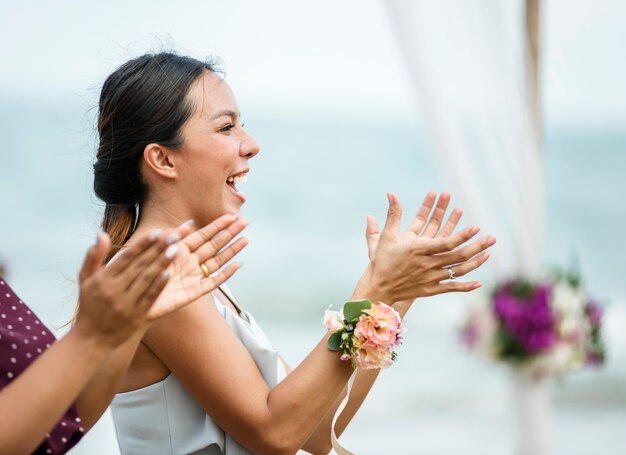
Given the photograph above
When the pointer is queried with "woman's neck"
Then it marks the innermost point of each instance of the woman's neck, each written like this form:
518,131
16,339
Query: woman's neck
153,216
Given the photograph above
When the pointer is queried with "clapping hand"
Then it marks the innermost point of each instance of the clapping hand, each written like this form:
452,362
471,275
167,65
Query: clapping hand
156,275
414,263
189,280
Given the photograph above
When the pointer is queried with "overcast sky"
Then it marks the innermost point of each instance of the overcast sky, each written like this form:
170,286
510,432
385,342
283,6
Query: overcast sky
323,57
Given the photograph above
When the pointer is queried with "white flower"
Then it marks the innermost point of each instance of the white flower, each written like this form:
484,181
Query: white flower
561,359
568,300
333,320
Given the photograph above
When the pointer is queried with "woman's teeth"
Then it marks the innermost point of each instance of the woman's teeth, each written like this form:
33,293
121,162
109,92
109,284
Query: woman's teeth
238,179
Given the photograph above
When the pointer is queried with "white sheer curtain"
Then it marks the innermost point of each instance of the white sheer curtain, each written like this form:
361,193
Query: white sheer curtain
467,60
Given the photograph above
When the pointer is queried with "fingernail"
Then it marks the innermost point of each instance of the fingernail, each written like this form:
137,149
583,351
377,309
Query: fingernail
476,285
171,251
485,256
187,223
166,274
173,237
155,234
492,240
474,230
99,236
390,198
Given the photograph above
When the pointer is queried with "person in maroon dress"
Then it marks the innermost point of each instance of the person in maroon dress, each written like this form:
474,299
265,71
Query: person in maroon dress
52,392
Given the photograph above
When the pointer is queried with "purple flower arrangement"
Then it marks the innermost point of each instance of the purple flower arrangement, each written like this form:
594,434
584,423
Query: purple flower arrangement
546,327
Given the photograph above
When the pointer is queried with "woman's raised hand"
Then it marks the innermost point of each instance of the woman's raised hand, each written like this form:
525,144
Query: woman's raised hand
414,263
114,300
188,280
156,275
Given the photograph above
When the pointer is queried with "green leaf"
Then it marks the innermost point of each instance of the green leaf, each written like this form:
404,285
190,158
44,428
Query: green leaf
352,310
334,342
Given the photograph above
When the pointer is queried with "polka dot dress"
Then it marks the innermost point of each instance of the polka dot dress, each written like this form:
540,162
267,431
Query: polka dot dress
23,338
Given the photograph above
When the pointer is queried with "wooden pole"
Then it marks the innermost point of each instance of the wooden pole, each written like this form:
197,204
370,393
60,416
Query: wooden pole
534,39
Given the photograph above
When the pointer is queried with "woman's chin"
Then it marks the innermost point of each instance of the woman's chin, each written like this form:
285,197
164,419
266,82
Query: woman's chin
235,211
227,209
233,206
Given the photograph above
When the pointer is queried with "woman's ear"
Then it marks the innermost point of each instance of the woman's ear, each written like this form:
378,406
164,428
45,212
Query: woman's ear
160,160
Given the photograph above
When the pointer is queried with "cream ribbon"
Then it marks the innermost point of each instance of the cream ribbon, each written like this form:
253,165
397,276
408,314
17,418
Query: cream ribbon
339,449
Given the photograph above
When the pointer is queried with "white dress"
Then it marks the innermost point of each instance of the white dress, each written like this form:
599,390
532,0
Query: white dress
164,419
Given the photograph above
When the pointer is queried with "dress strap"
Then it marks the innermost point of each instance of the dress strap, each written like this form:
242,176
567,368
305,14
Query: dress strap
231,298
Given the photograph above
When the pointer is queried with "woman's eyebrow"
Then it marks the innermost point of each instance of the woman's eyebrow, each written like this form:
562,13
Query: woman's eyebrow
223,112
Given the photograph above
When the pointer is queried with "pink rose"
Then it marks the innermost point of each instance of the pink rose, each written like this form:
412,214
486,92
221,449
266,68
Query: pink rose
358,340
333,320
369,359
380,327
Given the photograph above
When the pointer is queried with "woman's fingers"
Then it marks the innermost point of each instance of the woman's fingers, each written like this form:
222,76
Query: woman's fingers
154,290
372,234
454,286
453,221
218,279
421,218
136,267
447,244
226,255
462,269
126,256
95,256
202,236
394,215
148,274
437,217
465,253
219,240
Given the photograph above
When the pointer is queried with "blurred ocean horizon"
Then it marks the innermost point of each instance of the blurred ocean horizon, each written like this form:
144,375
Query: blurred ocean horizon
308,194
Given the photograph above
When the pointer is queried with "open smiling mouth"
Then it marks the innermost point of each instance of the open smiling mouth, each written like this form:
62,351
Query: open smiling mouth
235,179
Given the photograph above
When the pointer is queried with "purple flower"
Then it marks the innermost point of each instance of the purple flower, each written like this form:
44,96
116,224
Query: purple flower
528,318
593,360
469,335
594,312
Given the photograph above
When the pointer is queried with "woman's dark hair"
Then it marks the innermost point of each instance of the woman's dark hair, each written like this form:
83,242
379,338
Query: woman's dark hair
144,101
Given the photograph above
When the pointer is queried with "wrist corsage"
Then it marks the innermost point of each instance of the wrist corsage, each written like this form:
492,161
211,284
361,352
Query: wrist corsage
365,333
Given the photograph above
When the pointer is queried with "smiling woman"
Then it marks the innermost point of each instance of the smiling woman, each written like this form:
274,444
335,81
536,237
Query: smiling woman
184,106
206,380
198,176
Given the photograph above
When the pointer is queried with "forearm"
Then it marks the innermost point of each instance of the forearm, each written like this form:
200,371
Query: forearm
104,383
320,442
301,401
33,403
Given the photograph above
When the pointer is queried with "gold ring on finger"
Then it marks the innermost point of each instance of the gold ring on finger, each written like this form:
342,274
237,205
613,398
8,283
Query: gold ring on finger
205,270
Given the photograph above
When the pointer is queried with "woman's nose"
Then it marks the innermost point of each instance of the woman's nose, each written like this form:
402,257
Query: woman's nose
249,147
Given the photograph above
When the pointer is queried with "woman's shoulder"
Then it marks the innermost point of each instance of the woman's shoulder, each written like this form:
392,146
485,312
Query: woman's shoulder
17,318
23,337
194,317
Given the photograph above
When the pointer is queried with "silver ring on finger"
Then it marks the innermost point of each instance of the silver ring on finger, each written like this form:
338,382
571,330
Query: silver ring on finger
451,273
